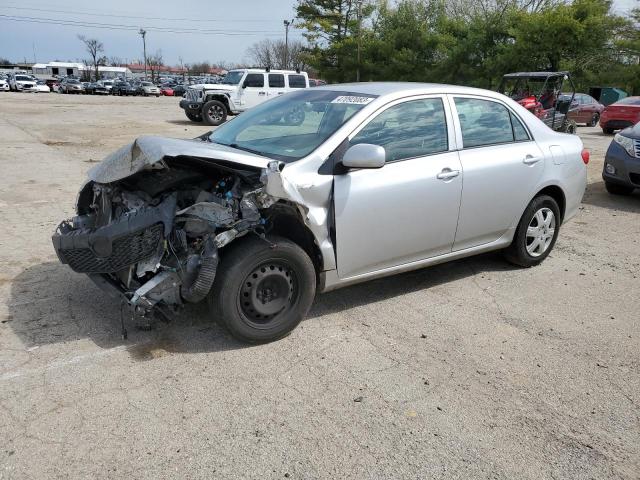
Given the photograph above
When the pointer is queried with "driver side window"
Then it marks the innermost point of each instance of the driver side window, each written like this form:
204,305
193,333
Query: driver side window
410,129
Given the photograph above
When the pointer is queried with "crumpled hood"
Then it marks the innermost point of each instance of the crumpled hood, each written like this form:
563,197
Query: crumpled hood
149,150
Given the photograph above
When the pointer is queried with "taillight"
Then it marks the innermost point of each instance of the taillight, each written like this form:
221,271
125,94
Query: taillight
585,156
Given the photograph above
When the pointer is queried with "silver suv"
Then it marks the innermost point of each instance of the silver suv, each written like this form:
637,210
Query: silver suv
377,179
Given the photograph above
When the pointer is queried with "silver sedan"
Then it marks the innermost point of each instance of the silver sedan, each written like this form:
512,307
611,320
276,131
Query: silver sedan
319,189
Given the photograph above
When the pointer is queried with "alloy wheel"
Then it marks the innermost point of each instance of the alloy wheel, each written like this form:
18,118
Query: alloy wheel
216,113
540,232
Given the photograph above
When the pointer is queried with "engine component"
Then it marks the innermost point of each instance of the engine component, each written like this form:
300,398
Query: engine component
199,288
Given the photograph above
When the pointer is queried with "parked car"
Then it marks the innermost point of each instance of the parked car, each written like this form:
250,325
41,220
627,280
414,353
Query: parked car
71,85
147,88
240,90
179,90
21,83
123,88
621,171
166,91
261,213
314,82
96,88
622,114
4,85
42,87
585,109
108,84
53,84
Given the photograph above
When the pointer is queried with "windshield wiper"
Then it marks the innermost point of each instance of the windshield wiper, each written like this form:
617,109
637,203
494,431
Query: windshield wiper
238,147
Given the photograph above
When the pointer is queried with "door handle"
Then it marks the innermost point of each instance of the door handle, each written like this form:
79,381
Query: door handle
447,174
530,160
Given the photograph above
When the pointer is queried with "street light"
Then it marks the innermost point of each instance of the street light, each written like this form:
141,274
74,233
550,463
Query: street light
144,49
287,23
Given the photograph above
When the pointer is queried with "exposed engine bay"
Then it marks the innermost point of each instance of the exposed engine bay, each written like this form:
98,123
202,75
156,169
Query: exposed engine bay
155,236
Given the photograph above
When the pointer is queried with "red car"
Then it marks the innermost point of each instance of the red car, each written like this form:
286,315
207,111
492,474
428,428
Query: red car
166,91
585,109
622,114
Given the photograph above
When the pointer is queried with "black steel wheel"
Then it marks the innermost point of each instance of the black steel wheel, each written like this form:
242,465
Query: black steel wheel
214,113
263,288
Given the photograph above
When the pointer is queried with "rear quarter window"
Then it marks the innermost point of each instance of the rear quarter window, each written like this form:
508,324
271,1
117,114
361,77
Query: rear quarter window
297,81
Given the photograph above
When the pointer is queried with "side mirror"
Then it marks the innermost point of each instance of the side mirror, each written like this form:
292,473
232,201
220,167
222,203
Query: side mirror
244,84
364,155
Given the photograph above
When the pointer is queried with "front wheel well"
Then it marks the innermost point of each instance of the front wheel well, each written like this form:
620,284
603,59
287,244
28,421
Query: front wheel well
557,194
221,98
285,221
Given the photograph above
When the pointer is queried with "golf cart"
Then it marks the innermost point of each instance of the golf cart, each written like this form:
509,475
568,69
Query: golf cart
542,94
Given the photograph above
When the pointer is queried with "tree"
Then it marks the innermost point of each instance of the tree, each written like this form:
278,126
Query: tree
273,54
94,48
155,62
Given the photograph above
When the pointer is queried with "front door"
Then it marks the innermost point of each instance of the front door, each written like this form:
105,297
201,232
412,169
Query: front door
407,210
502,166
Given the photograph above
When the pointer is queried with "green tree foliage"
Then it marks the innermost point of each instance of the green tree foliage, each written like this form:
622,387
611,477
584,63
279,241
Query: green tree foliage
471,42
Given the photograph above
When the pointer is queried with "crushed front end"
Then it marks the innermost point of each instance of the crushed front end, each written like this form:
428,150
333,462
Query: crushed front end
153,237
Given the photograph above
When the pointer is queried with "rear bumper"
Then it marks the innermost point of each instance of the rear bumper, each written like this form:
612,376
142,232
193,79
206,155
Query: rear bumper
627,167
615,124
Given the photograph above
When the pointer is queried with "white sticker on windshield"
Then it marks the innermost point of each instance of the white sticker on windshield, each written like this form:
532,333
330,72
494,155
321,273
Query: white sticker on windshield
352,100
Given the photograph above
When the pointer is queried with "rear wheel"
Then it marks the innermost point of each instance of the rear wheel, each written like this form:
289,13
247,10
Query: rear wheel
594,120
536,234
214,113
617,189
263,289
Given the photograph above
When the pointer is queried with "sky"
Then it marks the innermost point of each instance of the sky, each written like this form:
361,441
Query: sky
231,28
212,30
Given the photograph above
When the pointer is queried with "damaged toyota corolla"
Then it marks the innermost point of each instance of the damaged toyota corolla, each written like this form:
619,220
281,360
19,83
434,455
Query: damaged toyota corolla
316,190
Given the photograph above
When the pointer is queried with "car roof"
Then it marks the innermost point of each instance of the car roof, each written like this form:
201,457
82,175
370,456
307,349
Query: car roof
415,88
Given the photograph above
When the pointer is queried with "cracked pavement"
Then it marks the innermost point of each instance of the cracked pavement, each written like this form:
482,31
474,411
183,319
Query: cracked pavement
472,369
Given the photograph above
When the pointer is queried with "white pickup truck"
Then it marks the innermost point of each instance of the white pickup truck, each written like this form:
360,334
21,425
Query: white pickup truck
240,90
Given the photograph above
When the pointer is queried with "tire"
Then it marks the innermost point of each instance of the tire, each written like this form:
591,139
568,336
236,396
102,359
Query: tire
193,117
249,270
594,120
532,244
607,131
570,127
214,113
617,189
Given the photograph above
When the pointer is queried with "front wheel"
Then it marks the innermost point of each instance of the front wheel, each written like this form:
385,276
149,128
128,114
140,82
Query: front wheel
214,113
594,120
263,288
536,233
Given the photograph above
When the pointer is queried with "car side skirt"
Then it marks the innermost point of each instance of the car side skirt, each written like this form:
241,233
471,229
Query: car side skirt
329,280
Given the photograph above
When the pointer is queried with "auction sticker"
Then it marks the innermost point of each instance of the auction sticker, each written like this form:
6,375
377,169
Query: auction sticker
352,100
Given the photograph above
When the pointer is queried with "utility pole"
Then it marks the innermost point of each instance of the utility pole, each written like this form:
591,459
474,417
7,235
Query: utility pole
144,50
359,37
286,44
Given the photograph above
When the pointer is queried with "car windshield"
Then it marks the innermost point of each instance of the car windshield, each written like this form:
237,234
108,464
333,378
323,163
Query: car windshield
72,80
629,101
146,84
290,127
232,78
24,78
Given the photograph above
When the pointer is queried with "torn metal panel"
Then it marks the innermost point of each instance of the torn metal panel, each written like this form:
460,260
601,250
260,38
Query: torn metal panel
149,151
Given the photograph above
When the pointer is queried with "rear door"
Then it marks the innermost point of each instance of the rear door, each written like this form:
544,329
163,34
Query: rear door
276,84
502,166
408,209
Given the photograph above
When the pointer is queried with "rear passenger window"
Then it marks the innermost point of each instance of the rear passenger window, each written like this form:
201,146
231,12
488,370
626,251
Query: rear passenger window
297,81
254,80
483,122
519,132
411,129
276,80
